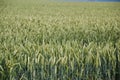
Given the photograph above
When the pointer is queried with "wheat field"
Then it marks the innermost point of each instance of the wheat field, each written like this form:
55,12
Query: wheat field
43,40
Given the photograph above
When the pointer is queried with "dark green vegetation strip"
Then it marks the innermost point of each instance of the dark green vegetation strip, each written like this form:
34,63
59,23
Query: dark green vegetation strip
59,41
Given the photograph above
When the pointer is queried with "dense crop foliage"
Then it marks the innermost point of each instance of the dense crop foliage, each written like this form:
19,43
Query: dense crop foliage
59,41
